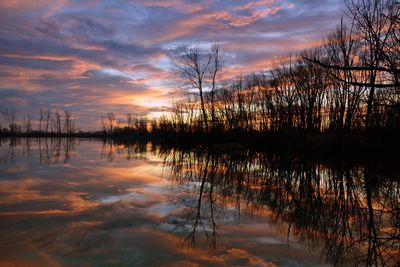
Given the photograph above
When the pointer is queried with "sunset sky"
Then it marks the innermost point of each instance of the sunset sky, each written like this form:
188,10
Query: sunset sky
94,56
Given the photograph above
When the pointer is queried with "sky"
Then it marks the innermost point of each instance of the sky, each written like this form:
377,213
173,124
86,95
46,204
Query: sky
98,56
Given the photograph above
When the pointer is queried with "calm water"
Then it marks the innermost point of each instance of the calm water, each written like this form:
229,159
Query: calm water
89,203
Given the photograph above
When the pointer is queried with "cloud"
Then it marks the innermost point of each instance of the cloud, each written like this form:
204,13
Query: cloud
180,5
32,63
113,55
255,4
45,7
229,19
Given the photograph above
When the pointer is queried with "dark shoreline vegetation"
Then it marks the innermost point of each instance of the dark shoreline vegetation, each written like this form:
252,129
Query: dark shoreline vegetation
381,144
340,96
349,209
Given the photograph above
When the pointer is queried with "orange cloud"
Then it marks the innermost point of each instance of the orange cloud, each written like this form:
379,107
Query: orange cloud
221,19
48,7
242,20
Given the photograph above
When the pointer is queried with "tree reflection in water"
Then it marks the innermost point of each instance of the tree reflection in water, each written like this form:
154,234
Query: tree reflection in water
199,215
352,212
50,150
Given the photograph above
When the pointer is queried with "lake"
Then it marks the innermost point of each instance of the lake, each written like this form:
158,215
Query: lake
70,202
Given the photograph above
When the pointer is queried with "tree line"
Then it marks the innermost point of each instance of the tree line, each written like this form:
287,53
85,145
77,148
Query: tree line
350,82
49,122
63,123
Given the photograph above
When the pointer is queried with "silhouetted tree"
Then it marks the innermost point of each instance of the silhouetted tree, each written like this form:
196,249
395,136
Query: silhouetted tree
199,71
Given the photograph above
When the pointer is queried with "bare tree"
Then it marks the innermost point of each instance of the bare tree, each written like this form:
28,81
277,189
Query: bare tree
27,124
57,122
44,120
104,124
68,122
112,120
10,116
215,70
199,71
41,120
374,23
130,121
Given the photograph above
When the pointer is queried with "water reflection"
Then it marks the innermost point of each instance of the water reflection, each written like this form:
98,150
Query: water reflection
352,212
49,150
75,202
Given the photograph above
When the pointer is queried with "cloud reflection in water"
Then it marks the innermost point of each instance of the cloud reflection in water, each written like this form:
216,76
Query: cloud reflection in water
74,203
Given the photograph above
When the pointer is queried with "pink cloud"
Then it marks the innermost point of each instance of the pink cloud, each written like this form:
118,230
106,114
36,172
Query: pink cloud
179,5
255,4
226,18
48,8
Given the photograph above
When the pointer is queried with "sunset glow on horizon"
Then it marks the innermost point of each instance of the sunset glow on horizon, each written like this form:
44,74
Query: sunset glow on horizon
93,57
